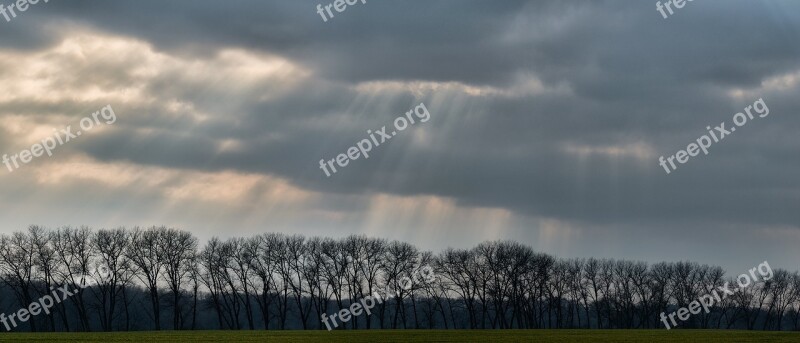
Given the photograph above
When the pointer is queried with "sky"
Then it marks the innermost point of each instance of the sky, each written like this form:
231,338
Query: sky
547,121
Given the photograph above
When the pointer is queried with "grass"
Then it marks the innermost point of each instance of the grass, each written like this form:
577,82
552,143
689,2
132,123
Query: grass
413,336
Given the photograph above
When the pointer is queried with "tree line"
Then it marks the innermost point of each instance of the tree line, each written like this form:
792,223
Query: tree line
161,278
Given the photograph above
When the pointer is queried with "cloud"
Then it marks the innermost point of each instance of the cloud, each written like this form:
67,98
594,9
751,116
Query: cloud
547,117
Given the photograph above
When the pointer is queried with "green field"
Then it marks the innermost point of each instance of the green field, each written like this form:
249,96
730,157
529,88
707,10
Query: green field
415,336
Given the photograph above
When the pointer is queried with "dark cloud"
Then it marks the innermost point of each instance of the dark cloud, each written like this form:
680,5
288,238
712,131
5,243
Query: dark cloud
562,95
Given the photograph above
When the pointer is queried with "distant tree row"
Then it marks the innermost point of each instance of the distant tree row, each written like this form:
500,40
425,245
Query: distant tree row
149,279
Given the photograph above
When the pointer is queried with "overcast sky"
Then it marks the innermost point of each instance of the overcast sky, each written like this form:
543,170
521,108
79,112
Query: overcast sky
547,122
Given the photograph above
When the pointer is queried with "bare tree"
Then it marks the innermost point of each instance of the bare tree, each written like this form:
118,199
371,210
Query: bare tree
313,273
454,268
335,271
213,265
264,267
112,264
145,252
178,250
502,285
240,265
398,262
45,260
18,256
74,251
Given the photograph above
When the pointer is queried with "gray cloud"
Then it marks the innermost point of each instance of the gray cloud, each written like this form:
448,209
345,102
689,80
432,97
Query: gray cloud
560,85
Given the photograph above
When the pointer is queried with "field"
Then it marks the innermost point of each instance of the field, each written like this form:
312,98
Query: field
414,336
